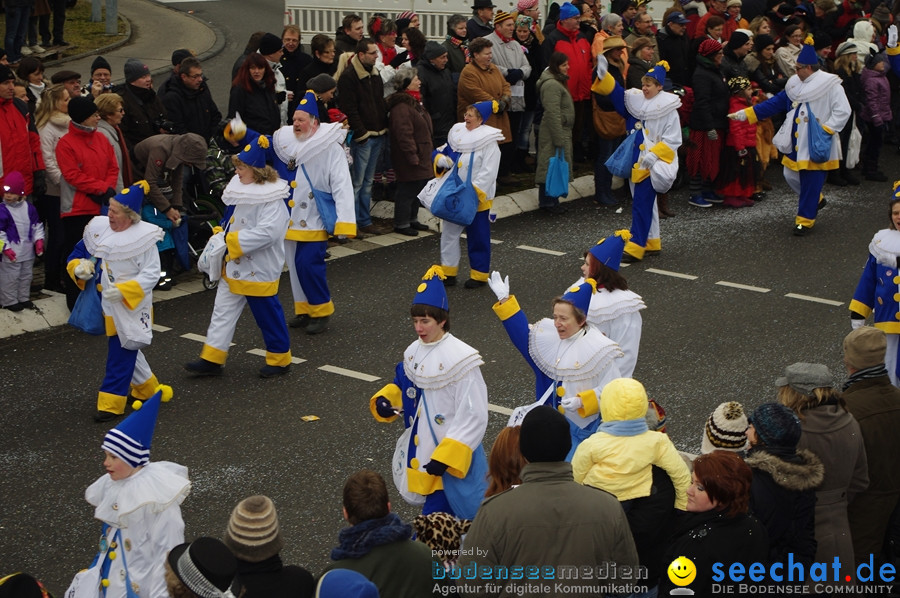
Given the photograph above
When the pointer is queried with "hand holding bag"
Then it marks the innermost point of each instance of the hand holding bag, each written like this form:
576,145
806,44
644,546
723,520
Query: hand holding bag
456,201
430,190
819,139
557,182
213,256
87,315
324,203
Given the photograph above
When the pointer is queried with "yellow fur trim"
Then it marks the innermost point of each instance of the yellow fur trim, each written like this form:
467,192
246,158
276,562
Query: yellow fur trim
214,355
392,393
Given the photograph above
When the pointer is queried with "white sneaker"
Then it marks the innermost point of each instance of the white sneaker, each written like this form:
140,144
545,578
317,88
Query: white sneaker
26,51
37,49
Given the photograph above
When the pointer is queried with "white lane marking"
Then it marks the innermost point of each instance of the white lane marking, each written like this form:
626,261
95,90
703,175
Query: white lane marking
498,409
159,328
198,337
540,250
349,373
672,274
814,299
262,353
745,287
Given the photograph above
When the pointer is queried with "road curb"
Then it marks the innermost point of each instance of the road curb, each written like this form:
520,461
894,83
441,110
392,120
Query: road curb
102,50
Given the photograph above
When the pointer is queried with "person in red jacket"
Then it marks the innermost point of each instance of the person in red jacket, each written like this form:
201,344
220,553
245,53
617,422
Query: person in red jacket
20,145
89,172
568,39
737,178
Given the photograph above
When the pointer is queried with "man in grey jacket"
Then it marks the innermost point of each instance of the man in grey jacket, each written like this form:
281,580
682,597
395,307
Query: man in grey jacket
573,539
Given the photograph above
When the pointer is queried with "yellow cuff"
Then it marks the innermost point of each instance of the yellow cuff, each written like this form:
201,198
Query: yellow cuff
456,455
145,390
450,270
70,268
893,51
751,115
589,403
604,86
314,311
132,293
391,392
110,325
508,309
664,152
214,355
479,276
635,250
233,244
278,359
860,308
422,482
109,402
828,130
348,229
639,174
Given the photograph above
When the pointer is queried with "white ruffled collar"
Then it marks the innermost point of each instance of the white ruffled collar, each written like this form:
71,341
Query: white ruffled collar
156,485
435,365
237,192
885,247
288,147
656,107
461,139
816,85
579,357
607,305
102,242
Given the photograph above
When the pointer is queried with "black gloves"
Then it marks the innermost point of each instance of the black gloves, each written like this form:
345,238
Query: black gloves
104,197
384,408
436,468
399,59
513,76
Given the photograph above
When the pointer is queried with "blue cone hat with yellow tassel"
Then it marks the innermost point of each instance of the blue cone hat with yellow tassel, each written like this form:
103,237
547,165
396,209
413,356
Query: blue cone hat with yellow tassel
580,295
254,153
608,251
133,197
431,290
808,54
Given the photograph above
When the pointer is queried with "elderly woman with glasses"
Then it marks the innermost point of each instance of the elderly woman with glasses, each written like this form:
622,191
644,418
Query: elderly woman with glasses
111,109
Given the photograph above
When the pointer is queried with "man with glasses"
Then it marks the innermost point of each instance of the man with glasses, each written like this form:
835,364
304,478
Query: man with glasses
817,109
189,103
643,27
293,61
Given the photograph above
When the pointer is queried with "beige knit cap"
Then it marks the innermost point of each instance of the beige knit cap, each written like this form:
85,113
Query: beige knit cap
253,533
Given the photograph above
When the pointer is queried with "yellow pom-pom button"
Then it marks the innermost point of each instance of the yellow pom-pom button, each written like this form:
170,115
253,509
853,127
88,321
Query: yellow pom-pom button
421,288
561,409
573,289
560,391
797,120
104,583
796,134
112,555
231,221
293,184
291,203
167,392
416,440
99,288
898,316
896,296
641,147
897,279
414,463
124,191
247,148
137,404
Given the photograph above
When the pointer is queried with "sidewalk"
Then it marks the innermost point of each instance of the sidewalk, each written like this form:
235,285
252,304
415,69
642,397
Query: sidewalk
155,30
51,311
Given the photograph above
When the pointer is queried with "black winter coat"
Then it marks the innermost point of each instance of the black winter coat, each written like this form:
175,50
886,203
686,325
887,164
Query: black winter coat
143,108
783,498
676,50
637,68
191,111
271,579
292,64
710,110
536,60
258,108
768,76
439,98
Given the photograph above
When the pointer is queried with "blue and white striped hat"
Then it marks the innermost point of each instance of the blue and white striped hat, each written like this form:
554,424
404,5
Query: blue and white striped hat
131,439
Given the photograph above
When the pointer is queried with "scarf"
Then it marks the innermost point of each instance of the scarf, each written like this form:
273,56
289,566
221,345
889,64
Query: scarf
125,166
417,95
876,371
626,427
502,37
387,54
359,540
572,35
460,43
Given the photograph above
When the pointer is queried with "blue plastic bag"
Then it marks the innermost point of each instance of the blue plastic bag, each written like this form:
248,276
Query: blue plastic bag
456,201
622,160
87,315
819,140
557,182
325,205
465,495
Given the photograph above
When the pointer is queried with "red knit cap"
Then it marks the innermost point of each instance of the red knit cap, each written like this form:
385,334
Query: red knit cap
709,47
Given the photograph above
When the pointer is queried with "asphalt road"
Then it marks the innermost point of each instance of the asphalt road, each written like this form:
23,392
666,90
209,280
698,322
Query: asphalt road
703,343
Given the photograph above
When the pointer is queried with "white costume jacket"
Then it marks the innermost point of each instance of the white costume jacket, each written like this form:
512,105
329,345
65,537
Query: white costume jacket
143,516
617,314
326,165
480,147
440,388
255,238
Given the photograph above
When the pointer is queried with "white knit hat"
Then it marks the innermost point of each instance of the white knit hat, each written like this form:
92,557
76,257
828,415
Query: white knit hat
725,429
253,533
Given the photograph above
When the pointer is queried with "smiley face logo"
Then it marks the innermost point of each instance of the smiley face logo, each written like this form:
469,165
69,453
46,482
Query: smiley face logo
682,571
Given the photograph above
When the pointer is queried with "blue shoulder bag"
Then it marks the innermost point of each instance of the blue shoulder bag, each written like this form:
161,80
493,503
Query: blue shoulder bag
324,203
456,201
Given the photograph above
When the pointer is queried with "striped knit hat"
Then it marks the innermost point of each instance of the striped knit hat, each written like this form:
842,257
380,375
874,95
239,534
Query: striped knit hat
725,429
253,533
131,439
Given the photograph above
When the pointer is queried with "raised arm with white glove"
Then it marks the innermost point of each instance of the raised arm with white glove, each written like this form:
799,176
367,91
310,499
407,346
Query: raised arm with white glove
892,37
602,66
499,286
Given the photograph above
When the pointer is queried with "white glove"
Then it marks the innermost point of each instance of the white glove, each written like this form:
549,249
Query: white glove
238,128
499,286
892,37
84,270
649,160
444,162
572,403
112,294
857,323
602,66
739,115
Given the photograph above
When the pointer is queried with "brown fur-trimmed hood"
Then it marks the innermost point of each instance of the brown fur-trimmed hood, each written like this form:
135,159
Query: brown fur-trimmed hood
806,474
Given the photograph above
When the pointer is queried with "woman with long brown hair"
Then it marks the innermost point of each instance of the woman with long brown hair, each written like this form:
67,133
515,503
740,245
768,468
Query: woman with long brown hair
253,95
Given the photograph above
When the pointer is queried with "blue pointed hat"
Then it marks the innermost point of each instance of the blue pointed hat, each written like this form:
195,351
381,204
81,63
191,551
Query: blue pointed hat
896,188
659,71
254,153
580,295
309,104
608,251
131,439
808,54
486,108
133,197
431,290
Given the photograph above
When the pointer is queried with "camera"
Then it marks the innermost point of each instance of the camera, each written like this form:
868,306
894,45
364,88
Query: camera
163,124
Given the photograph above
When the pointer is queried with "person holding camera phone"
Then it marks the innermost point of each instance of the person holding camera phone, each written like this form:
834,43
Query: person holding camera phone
145,114
101,78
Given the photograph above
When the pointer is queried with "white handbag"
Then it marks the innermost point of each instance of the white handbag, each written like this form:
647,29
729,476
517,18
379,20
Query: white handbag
430,191
213,256
399,464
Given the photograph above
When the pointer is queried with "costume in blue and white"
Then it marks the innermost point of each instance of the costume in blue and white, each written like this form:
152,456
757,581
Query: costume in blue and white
878,291
573,370
657,137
